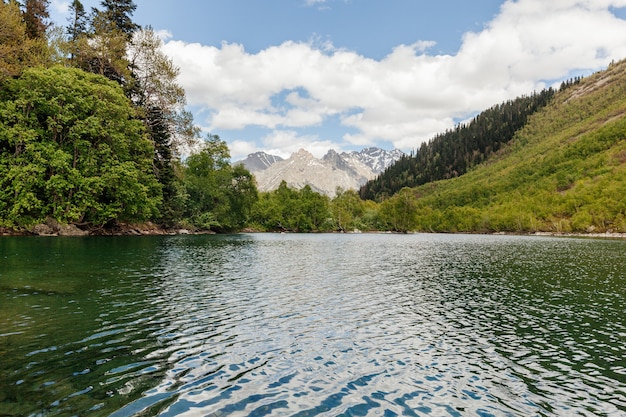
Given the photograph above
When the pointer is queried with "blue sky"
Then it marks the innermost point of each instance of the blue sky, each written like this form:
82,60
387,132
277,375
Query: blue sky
281,75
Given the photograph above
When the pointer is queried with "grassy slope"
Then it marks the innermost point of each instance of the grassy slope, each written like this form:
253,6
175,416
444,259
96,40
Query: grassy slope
564,171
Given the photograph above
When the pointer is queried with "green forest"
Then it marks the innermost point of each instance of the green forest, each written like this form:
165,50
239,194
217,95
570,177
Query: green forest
93,128
94,133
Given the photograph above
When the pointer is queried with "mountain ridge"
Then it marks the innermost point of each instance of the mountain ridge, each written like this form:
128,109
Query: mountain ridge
346,170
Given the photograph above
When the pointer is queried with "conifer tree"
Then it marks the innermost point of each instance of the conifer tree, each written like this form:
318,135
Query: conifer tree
120,12
36,17
102,49
78,20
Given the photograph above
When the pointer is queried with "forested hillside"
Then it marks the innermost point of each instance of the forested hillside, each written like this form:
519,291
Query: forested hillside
564,171
452,153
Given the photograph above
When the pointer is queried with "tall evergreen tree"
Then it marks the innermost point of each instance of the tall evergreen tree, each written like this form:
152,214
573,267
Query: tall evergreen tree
157,129
120,12
78,20
36,17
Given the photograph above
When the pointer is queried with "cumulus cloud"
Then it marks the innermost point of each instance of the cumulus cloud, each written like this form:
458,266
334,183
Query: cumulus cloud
241,148
409,95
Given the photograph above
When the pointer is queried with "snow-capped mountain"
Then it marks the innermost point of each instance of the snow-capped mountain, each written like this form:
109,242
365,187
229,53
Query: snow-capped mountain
259,161
376,158
348,170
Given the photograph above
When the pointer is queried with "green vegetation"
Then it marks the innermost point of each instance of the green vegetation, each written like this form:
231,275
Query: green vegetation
92,128
94,132
454,152
219,196
70,149
286,209
564,171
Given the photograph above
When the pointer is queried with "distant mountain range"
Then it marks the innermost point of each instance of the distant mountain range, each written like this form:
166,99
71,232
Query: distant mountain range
348,170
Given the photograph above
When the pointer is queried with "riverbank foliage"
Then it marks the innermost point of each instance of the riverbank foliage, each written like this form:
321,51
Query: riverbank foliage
72,150
94,131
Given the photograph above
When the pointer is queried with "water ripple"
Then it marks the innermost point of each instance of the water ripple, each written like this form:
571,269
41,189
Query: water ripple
308,325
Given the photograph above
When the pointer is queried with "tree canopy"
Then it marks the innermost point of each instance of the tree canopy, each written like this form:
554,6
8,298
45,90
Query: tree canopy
219,196
71,148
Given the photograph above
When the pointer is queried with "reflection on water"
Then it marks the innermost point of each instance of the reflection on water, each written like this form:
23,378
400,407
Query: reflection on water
312,325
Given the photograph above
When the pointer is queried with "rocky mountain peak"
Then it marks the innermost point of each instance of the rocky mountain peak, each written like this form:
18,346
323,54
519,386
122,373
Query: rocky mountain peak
376,158
348,170
302,154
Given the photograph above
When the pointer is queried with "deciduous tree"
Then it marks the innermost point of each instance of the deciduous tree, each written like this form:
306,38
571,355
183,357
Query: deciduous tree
220,196
70,148
155,86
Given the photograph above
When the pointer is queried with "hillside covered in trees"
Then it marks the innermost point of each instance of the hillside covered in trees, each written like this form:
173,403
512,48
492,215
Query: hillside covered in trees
454,152
563,171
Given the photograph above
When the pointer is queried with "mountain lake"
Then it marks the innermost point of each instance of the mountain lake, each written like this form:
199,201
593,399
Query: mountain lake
312,325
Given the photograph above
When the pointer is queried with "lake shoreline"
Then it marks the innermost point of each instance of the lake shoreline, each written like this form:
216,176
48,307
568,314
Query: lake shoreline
54,229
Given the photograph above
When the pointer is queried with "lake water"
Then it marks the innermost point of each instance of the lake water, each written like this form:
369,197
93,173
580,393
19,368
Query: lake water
307,325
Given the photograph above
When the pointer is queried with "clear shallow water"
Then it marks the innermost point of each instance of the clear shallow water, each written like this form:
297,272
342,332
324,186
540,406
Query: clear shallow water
305,325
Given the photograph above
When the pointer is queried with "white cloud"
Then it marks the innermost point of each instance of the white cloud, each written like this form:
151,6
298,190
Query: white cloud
285,142
239,149
409,95
164,35
61,7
